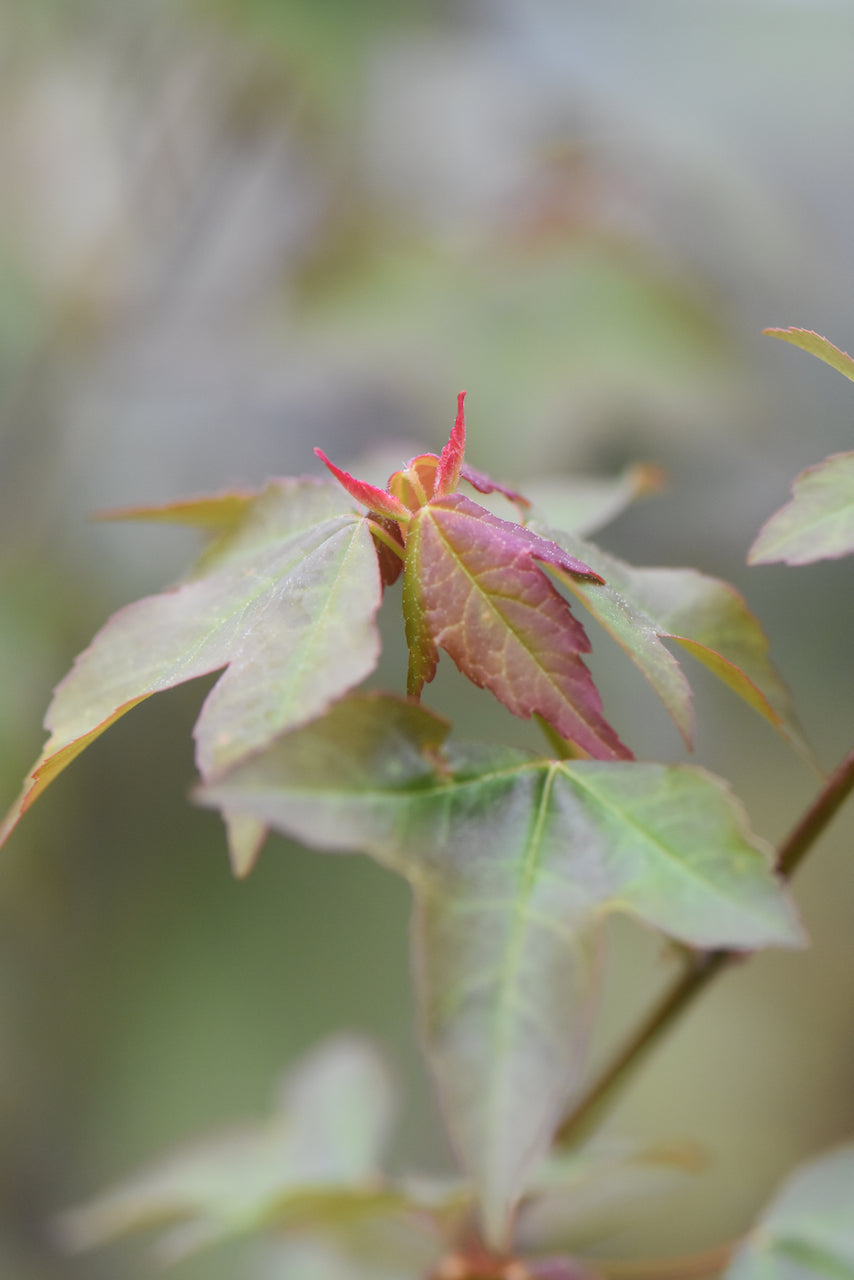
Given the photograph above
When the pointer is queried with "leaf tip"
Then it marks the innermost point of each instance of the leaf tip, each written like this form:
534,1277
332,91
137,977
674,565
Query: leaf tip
27,796
792,332
14,815
650,478
756,556
245,836
451,457
815,344
367,495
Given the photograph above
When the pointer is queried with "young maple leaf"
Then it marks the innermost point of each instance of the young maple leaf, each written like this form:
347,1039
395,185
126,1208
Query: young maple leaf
474,586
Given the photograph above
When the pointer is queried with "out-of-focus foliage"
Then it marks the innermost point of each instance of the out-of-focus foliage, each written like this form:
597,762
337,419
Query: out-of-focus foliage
310,1183
313,1171
512,861
323,45
807,1233
818,524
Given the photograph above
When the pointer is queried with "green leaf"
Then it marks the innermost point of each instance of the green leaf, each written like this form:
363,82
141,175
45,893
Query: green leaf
584,504
372,1250
807,1233
245,837
818,346
579,1196
711,621
473,586
705,616
818,523
316,1160
309,1179
512,860
218,512
284,599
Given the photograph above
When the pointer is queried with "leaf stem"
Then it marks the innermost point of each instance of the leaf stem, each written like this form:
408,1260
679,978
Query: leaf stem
382,535
561,747
702,966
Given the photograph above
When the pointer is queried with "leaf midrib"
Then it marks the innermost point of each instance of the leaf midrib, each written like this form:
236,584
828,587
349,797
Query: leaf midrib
686,870
288,691
488,599
505,1008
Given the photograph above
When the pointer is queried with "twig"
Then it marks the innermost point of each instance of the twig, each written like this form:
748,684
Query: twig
702,966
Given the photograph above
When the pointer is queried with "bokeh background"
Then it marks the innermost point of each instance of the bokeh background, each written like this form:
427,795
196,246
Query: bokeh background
233,229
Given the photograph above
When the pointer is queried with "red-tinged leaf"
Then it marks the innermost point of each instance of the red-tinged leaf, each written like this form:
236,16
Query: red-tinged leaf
415,485
385,504
559,1269
817,346
473,587
485,484
818,523
451,457
217,512
285,602
552,554
389,545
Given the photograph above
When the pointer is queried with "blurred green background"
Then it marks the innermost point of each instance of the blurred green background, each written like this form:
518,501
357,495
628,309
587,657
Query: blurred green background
233,229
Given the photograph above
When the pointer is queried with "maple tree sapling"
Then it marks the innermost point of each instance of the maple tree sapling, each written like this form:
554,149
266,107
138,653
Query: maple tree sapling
514,857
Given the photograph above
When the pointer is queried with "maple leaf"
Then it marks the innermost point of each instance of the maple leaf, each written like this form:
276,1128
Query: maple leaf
818,523
513,861
282,603
808,1230
475,586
